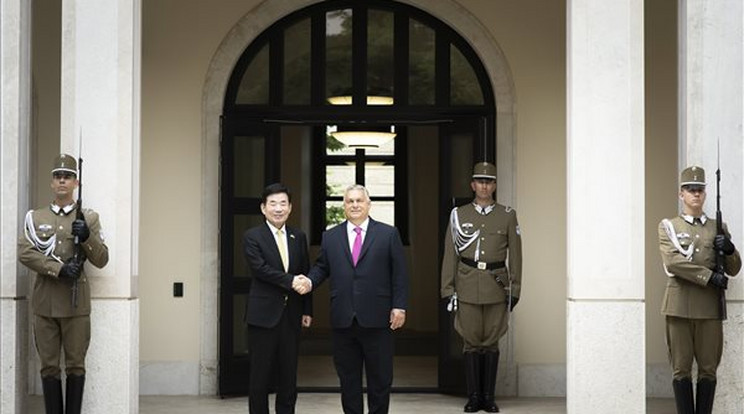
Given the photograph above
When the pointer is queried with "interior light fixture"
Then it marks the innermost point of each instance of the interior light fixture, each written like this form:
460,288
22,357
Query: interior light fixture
364,136
371,100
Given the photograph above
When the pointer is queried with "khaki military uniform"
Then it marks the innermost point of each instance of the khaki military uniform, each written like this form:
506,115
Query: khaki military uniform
489,236
46,244
691,305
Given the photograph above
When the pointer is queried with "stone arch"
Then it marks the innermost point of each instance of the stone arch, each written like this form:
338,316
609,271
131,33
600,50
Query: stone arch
218,73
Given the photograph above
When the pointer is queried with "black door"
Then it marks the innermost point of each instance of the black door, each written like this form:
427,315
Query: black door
464,142
250,162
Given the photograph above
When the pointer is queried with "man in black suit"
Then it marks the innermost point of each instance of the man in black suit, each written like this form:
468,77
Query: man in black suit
366,265
275,254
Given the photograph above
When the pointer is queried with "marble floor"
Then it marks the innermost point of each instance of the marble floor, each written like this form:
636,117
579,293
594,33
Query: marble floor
327,403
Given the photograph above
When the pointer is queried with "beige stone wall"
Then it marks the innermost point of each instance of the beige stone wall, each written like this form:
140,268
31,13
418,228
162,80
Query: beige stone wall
178,41
532,36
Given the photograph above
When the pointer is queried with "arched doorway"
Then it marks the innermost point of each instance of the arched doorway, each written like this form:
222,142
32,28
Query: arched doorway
276,114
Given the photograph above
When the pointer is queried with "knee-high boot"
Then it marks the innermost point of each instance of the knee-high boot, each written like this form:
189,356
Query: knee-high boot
52,394
683,396
74,394
472,381
706,391
490,369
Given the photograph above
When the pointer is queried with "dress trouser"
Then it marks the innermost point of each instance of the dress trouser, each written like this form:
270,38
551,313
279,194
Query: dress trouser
274,351
54,335
481,326
698,339
355,348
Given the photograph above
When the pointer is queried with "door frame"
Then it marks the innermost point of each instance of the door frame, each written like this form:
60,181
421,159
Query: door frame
451,379
234,370
233,376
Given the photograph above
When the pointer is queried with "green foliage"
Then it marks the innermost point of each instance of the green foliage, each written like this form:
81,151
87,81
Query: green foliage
332,144
334,214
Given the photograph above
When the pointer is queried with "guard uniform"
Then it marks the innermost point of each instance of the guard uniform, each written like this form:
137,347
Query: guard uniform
59,324
482,274
484,283
691,304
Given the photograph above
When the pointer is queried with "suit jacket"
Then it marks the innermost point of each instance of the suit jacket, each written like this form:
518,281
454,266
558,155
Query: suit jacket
687,293
271,287
374,287
52,296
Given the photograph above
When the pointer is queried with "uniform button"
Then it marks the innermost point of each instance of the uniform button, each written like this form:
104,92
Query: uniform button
59,242
60,227
483,238
697,250
483,252
697,236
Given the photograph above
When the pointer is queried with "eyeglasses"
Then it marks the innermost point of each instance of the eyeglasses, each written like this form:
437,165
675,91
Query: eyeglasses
58,175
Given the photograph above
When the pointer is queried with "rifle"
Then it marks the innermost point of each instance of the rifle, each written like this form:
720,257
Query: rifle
78,256
720,265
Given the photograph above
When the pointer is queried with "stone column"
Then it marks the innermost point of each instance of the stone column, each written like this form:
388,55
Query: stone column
101,103
711,113
15,75
605,155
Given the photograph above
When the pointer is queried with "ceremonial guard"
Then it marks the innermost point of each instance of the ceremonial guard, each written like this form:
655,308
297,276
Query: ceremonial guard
481,275
693,302
58,239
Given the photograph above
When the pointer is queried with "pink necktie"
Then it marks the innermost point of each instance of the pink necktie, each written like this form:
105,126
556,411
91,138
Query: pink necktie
357,245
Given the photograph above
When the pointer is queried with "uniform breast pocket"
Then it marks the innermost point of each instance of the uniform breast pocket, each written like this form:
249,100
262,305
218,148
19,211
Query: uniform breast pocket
499,233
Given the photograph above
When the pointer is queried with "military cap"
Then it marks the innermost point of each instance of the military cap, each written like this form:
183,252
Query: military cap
484,170
692,176
65,162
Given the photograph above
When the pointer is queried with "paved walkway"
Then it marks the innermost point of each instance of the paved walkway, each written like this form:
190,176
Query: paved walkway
320,403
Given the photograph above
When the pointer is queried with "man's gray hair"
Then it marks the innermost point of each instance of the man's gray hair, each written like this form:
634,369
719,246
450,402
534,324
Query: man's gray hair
357,187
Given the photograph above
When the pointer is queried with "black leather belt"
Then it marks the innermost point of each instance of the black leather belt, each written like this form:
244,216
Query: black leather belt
483,265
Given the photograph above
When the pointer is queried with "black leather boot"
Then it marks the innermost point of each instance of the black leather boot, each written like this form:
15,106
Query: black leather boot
683,395
74,394
472,381
52,394
706,391
490,369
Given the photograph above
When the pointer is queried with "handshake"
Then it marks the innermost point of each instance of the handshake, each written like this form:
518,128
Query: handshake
302,285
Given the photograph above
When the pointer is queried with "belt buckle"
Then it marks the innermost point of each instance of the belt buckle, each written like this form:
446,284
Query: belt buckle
482,265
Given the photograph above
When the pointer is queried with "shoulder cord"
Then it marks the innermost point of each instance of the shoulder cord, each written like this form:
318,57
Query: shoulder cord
45,247
672,234
460,239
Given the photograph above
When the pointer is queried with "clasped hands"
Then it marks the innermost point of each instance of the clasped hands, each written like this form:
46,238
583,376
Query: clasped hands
302,285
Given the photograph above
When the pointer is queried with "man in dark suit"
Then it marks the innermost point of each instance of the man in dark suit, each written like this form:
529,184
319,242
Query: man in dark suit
366,265
275,254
